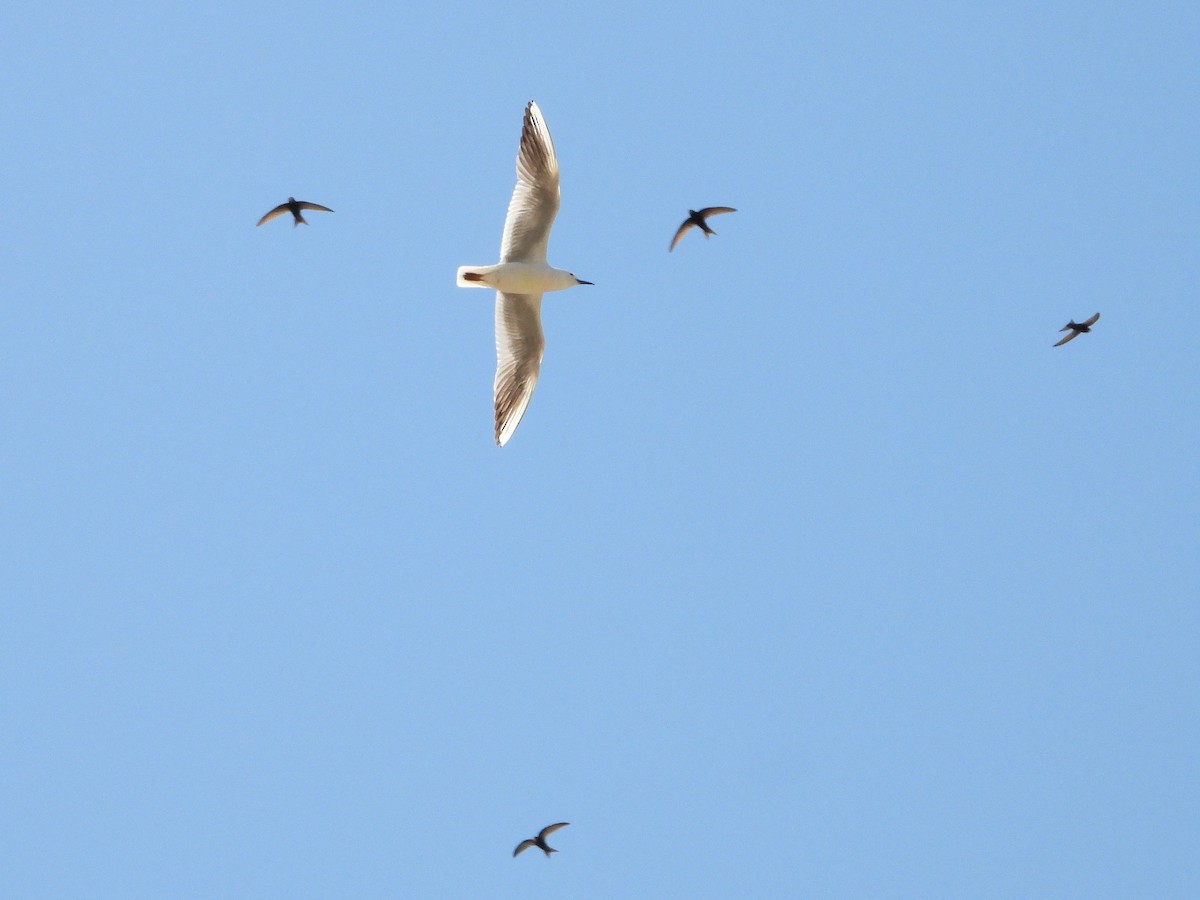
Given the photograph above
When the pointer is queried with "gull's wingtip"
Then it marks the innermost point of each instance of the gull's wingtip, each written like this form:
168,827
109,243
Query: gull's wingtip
509,413
534,117
533,112
506,424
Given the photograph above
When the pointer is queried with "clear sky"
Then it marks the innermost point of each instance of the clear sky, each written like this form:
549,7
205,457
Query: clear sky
813,569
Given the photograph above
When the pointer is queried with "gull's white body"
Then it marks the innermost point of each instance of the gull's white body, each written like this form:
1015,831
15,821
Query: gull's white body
522,275
518,278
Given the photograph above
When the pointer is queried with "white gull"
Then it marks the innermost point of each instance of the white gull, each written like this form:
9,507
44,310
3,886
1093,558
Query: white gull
522,275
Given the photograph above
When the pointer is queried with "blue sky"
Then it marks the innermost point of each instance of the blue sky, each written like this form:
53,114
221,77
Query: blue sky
812,570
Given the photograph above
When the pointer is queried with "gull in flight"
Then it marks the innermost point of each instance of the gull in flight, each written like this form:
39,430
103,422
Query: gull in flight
1077,328
697,217
540,840
293,206
522,275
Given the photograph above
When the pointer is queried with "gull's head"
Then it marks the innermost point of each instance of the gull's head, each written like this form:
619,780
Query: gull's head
548,279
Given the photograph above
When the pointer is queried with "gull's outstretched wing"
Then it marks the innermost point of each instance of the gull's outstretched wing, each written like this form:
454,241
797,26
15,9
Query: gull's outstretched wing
1093,320
1070,337
304,204
550,829
525,845
534,202
715,211
519,346
683,229
277,211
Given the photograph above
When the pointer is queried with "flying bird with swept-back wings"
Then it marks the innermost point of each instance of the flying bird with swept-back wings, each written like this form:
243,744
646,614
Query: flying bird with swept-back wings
293,206
1077,328
540,840
697,218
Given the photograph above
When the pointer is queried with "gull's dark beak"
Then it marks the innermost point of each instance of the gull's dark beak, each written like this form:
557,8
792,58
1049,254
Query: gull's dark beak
580,281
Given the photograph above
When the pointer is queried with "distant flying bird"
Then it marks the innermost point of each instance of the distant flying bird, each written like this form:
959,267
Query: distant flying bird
540,840
1077,328
696,217
522,275
293,206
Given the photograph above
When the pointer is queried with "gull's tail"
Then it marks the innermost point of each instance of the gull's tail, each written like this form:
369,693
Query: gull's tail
473,276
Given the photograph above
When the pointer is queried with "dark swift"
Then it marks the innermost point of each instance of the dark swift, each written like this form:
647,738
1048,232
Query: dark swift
696,218
540,840
293,206
1077,328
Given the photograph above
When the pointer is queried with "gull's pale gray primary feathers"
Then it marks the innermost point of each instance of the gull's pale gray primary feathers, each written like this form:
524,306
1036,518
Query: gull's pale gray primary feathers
540,840
522,276
293,206
696,219
1077,328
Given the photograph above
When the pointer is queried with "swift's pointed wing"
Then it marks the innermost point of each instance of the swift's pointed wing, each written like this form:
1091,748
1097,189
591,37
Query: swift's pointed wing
683,229
277,211
550,829
534,202
304,204
1070,337
1093,320
519,346
525,845
715,210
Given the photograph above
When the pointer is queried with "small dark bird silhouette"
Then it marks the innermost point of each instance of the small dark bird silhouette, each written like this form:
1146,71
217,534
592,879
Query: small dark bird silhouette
540,840
293,206
696,217
1077,328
